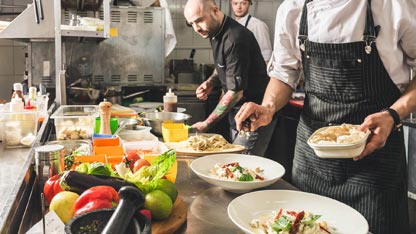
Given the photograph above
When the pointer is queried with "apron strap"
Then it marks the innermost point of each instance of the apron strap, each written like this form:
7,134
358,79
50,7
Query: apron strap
303,25
369,31
248,19
369,35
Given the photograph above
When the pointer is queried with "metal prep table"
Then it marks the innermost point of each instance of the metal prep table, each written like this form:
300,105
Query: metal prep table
20,199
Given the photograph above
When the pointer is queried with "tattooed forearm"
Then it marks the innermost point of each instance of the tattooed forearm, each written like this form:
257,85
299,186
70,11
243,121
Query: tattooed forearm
227,102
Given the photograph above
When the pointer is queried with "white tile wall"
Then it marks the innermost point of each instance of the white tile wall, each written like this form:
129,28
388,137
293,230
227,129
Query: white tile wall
12,55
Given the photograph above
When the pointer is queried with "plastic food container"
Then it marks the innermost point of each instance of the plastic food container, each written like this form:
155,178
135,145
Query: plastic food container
75,122
338,150
174,132
145,148
140,133
18,128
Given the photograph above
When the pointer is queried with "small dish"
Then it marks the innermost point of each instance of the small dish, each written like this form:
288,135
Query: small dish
338,150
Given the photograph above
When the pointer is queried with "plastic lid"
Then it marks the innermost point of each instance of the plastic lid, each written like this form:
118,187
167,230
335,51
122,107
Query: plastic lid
17,86
32,89
170,93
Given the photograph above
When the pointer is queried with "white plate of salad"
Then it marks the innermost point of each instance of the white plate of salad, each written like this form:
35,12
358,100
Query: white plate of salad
238,173
279,211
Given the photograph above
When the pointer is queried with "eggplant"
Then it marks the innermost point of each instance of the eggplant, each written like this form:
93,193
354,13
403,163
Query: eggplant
79,182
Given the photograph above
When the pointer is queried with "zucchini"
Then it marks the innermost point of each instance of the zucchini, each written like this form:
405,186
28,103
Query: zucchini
79,182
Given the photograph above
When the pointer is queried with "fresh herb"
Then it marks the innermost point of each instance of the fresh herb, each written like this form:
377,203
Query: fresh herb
239,168
282,224
246,177
310,219
69,161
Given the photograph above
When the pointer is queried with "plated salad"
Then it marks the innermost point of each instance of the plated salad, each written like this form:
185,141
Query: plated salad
291,222
235,172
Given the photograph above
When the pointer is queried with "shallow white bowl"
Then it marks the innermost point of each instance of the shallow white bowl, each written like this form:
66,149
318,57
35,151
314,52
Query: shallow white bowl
338,150
140,133
273,171
346,220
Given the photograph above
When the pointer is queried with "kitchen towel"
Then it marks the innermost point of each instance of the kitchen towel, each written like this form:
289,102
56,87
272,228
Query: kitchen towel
170,37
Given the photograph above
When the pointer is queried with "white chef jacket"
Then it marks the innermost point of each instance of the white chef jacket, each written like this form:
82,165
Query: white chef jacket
341,21
261,33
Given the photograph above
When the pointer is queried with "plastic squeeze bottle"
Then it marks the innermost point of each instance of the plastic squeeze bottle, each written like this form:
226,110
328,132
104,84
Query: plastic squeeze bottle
170,102
17,91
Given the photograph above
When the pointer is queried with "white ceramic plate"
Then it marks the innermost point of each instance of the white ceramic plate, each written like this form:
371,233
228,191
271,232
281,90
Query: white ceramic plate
182,148
273,171
344,219
338,150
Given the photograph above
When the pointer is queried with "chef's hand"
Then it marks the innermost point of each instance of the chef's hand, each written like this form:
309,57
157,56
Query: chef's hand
258,116
200,126
204,90
380,124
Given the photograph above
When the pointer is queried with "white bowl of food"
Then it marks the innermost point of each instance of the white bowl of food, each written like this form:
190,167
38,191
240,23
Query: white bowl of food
341,141
139,133
254,212
253,172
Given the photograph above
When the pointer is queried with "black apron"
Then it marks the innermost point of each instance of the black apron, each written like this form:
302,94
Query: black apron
344,83
248,20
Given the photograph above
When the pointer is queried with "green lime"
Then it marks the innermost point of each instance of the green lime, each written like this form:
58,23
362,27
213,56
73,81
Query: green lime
159,204
168,187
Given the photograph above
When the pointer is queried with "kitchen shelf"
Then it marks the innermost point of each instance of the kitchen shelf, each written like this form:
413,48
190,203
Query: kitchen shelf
24,26
27,27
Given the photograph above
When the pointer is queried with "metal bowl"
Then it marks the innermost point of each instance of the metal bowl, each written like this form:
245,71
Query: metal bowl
155,119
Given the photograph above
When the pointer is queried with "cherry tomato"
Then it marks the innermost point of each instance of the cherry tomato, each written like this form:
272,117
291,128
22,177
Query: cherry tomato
131,158
139,164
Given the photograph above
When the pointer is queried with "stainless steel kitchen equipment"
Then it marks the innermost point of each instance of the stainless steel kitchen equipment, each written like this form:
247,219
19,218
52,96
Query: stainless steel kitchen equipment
134,57
48,160
183,69
410,124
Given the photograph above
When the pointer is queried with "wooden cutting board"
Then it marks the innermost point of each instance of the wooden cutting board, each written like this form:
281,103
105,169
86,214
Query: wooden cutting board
174,221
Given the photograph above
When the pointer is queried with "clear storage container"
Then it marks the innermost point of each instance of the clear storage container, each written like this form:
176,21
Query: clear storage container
18,128
75,122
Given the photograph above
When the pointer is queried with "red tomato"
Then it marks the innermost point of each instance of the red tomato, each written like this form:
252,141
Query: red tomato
139,164
131,158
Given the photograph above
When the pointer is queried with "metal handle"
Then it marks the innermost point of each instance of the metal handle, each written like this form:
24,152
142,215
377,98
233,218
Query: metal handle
41,9
35,5
135,94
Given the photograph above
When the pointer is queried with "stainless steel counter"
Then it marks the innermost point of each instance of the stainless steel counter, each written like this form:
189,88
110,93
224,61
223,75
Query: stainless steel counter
14,164
20,203
17,180
207,204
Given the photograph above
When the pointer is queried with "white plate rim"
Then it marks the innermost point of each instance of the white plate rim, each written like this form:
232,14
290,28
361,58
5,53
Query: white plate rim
230,212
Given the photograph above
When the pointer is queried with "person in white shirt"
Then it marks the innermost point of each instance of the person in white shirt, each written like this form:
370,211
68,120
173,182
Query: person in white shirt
259,28
356,57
